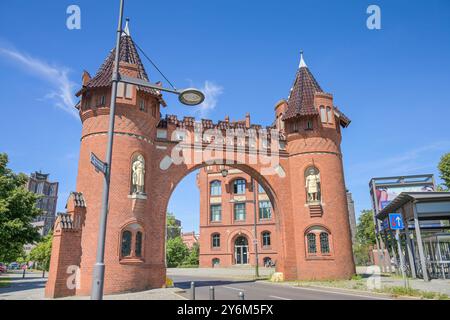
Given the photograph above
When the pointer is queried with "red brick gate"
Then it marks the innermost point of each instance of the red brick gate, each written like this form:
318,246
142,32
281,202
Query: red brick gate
297,160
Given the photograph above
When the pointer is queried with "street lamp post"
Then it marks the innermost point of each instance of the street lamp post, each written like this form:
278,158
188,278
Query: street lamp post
190,97
98,275
255,229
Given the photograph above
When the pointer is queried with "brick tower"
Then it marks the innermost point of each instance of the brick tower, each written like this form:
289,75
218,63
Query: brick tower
137,116
312,125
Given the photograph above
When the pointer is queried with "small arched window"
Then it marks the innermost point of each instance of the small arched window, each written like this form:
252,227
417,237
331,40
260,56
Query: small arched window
132,241
215,262
266,239
312,247
126,243
323,236
216,188
215,239
324,243
267,262
239,186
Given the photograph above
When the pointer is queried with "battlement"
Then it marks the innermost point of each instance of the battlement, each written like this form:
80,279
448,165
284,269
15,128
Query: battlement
189,123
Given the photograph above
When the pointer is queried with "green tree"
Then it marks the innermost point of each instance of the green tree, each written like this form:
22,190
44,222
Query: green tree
42,252
365,237
193,257
17,211
365,229
173,229
176,252
444,168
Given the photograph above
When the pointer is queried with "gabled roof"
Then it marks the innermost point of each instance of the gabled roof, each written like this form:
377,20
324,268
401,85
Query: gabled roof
128,54
301,98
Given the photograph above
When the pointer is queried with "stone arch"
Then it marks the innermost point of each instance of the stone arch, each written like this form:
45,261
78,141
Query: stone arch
177,173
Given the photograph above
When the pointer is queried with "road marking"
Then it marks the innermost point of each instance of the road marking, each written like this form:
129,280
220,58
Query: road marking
281,298
342,293
232,288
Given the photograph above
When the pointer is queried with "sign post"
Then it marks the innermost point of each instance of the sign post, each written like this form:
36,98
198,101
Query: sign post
396,223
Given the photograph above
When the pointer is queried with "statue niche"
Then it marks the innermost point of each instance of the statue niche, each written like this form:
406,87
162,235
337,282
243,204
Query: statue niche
138,175
312,186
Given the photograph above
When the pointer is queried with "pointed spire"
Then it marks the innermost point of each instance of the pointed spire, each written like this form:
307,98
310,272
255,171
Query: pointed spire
301,96
126,30
302,61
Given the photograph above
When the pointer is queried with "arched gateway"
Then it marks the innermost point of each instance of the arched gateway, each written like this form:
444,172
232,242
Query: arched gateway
297,160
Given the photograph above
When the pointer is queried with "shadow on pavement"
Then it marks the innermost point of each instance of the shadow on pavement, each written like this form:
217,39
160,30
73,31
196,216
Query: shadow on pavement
26,284
207,283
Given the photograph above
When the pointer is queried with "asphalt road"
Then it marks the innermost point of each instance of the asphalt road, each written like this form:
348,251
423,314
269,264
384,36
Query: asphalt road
228,289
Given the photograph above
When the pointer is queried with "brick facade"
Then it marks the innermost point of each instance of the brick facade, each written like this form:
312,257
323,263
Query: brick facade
227,228
135,237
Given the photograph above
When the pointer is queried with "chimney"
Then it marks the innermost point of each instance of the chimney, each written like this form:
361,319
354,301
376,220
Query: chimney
227,119
247,120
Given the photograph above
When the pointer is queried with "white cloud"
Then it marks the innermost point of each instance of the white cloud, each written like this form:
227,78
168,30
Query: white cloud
212,92
61,93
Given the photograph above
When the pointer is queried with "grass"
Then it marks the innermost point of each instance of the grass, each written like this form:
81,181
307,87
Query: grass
5,282
358,282
410,292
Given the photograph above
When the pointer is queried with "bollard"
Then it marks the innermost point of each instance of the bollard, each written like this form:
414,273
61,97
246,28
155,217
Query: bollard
241,296
211,293
192,290
23,274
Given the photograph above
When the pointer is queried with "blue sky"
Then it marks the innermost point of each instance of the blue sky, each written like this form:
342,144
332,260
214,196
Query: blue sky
393,83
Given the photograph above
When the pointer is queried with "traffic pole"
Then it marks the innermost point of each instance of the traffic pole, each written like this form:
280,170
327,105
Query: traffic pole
401,258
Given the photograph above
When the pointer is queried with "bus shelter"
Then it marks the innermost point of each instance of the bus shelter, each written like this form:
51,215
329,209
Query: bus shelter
425,239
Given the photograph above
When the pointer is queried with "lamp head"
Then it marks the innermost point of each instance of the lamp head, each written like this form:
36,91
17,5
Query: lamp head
191,97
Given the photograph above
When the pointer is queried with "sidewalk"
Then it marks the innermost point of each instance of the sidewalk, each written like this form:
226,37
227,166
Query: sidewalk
32,288
435,285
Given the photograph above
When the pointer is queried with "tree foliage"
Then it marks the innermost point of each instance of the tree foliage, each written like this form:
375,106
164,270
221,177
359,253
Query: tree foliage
176,252
365,229
173,230
193,257
365,237
17,211
444,169
42,252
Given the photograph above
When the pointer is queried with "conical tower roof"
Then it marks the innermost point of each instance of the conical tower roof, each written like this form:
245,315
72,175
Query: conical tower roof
301,98
128,54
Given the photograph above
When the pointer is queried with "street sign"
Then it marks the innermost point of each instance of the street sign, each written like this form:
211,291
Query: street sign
98,164
395,221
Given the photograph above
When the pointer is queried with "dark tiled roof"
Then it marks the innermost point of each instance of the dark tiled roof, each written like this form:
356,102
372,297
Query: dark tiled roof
128,54
345,121
301,98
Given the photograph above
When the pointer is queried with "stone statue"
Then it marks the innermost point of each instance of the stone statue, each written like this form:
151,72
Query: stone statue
138,168
313,185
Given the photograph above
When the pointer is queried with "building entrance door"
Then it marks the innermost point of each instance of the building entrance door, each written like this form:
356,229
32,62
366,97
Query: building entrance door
241,250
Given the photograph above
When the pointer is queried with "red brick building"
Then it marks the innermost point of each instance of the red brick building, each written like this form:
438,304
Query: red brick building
190,238
227,219
303,178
